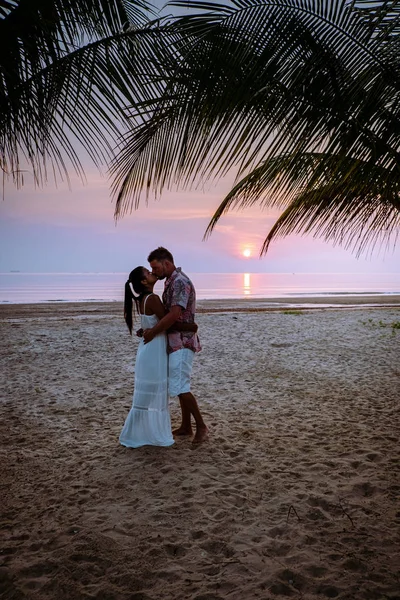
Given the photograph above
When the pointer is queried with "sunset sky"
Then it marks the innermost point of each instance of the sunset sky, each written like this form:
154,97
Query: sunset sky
60,230
57,229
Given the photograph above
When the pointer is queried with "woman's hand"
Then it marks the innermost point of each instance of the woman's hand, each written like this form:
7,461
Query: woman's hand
148,335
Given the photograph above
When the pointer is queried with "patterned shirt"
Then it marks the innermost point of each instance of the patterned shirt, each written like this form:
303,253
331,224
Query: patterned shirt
179,291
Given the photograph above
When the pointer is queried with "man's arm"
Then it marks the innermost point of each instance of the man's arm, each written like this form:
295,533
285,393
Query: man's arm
182,327
164,324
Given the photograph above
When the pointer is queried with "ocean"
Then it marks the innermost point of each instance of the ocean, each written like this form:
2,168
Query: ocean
19,288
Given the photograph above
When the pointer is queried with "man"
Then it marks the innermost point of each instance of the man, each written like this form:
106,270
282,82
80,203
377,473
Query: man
179,299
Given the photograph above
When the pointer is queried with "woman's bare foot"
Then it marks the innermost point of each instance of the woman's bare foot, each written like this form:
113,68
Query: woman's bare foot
182,431
201,435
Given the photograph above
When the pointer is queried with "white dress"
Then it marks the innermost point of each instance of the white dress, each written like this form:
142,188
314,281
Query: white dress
148,422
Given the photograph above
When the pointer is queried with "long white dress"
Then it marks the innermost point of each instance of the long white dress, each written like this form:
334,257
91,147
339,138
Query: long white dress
148,421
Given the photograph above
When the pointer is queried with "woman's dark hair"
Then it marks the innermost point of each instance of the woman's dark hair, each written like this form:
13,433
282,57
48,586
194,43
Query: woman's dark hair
139,290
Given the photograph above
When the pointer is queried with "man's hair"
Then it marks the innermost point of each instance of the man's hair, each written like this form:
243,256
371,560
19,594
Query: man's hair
160,253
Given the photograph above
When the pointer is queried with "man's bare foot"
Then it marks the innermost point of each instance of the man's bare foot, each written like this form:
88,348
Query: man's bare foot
182,431
201,435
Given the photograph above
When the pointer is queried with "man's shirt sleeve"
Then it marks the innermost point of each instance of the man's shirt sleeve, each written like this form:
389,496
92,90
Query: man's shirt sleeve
180,294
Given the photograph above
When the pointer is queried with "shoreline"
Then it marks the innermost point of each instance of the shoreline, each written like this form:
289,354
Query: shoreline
240,305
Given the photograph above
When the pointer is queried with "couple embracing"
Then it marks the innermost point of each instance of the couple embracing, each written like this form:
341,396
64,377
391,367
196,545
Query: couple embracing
165,354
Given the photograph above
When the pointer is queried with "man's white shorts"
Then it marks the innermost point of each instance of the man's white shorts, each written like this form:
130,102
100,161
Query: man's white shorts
180,365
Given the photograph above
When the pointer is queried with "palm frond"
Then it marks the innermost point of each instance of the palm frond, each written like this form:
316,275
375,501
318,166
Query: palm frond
58,64
302,85
357,219
346,201
382,18
250,71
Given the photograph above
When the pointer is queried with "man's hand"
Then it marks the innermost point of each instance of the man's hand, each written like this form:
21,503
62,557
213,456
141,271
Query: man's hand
139,332
148,335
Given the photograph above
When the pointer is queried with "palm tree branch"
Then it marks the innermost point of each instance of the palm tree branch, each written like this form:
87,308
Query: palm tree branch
317,198
56,73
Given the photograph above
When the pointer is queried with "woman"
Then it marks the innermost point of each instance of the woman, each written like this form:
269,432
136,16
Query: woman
148,422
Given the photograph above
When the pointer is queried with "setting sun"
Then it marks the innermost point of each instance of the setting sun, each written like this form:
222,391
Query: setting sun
247,252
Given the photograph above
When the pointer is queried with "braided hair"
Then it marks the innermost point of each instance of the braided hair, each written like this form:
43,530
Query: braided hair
134,290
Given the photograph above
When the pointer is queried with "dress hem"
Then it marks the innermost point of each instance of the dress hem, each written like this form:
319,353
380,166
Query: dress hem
127,445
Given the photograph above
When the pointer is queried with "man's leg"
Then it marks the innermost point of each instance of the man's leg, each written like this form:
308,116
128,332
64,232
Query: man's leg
176,382
189,406
180,369
186,425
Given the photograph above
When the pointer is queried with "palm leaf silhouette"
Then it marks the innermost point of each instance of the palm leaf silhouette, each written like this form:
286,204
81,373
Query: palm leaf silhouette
69,73
299,98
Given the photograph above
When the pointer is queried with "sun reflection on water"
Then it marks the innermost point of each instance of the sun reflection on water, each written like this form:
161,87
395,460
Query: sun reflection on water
246,284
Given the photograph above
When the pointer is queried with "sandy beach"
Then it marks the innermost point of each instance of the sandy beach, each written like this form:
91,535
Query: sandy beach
295,494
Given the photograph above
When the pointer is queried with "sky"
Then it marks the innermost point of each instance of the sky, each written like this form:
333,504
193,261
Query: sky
62,229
